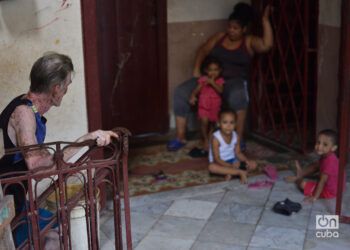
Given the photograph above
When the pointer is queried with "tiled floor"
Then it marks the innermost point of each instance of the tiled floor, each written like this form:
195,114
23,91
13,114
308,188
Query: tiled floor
227,215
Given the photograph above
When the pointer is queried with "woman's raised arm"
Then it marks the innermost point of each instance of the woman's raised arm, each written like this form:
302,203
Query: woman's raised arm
264,43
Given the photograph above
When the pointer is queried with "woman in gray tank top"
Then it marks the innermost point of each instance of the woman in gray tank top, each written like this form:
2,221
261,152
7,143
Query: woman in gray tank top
234,48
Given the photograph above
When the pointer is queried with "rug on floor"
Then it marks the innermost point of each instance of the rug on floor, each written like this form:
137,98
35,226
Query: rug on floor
183,171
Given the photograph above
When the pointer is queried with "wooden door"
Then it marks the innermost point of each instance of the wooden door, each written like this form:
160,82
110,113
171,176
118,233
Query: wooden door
132,56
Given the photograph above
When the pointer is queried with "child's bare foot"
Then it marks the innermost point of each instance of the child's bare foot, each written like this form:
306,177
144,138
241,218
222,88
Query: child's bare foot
243,175
298,176
228,177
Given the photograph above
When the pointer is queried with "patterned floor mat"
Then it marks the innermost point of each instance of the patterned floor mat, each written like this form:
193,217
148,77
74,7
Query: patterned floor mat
183,171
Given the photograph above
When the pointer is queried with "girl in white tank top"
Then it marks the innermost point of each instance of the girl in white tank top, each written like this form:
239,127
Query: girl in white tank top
225,154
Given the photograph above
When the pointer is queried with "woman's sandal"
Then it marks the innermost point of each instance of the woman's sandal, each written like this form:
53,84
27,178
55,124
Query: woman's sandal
174,145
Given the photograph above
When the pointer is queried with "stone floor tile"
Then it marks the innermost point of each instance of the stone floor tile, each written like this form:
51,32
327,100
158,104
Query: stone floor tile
205,245
105,243
192,209
154,242
264,248
177,227
216,197
298,220
182,193
140,224
277,195
319,243
152,208
244,195
344,228
278,237
283,186
227,232
324,205
237,213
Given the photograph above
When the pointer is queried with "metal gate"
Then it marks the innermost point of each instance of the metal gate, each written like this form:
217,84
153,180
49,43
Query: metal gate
31,227
284,81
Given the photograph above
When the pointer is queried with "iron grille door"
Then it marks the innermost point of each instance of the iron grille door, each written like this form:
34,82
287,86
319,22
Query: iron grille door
284,81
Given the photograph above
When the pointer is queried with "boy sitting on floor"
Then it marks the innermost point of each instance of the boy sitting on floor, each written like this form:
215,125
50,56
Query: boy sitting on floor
328,166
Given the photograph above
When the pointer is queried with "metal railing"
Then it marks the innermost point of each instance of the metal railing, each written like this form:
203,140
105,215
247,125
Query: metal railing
91,172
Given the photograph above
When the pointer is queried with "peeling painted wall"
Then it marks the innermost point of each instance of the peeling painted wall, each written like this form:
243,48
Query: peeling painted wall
29,28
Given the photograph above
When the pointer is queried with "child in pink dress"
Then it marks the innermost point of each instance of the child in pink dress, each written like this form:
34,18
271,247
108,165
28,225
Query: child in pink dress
210,88
328,166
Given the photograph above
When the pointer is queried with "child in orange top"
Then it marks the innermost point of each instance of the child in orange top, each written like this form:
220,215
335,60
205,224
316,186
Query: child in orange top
210,88
328,166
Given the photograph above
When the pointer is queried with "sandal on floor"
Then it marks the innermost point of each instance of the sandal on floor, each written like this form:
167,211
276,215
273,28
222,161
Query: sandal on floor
159,176
198,153
261,184
174,145
286,207
271,172
294,206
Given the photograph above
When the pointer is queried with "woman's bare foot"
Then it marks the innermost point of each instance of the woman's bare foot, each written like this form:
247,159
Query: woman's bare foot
228,177
243,176
291,179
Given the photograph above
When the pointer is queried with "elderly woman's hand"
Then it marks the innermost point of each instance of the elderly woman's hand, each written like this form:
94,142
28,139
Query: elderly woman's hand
103,137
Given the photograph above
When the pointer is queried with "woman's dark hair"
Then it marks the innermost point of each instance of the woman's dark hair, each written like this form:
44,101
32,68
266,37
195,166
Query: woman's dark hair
209,60
242,13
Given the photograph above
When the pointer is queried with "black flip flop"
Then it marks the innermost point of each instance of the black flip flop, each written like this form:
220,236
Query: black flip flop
286,207
282,208
198,153
294,206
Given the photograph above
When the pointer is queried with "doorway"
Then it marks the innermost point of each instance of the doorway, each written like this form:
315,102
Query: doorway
130,64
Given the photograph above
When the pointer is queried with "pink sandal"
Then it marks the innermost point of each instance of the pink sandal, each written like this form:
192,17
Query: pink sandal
261,184
271,172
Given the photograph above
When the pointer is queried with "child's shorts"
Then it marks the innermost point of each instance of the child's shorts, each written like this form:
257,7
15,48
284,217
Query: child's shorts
242,165
310,187
232,161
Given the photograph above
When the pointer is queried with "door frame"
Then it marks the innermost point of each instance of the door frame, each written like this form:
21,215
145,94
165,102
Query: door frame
91,66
